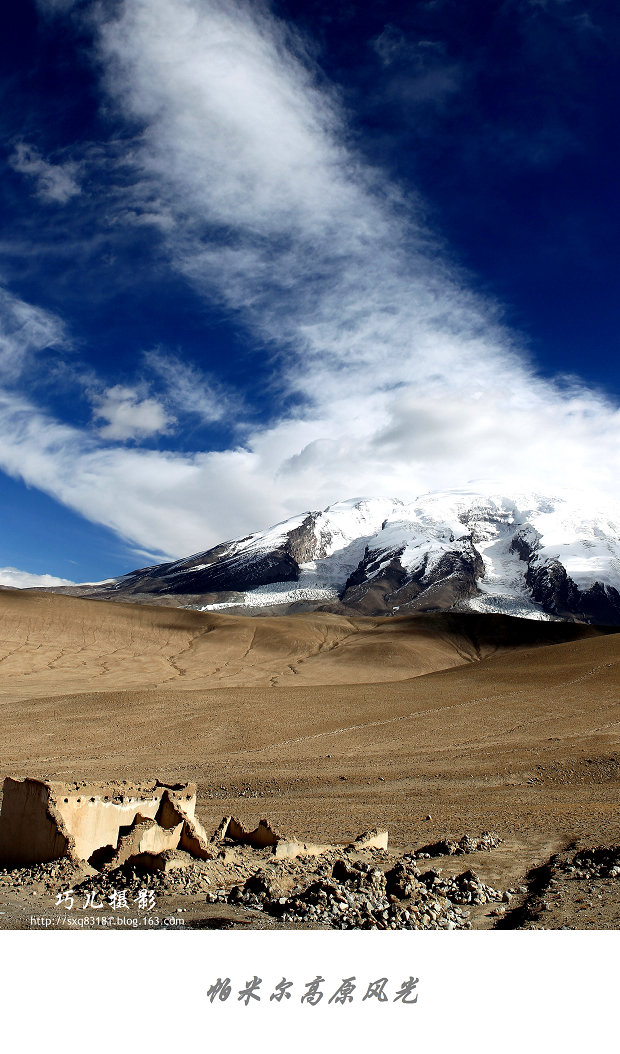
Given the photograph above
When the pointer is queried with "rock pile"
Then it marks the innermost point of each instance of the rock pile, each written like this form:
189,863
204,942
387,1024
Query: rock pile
573,891
348,895
466,888
52,875
600,862
188,881
466,844
356,895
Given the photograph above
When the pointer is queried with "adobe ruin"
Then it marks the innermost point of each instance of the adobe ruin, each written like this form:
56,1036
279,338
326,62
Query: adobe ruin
103,824
148,823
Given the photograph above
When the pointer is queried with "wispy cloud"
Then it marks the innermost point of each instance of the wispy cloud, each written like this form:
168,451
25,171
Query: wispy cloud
402,378
418,70
24,330
275,213
321,254
54,183
189,390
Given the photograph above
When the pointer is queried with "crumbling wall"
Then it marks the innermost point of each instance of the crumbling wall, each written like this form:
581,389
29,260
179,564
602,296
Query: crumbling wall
95,822
43,820
30,833
287,847
261,836
143,837
193,838
111,824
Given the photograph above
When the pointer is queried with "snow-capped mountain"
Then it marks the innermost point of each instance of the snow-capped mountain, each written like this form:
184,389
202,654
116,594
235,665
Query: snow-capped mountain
528,555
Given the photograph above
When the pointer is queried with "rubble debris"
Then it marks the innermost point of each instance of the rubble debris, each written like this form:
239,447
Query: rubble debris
191,878
466,844
466,888
402,880
354,896
600,862
53,875
565,887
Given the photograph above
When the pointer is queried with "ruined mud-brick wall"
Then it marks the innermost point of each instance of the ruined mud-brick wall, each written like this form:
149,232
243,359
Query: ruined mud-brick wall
44,820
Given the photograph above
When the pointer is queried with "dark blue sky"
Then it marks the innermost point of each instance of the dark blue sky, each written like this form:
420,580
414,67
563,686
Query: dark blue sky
505,116
170,295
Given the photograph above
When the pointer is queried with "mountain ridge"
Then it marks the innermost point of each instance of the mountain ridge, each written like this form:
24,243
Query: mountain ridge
532,556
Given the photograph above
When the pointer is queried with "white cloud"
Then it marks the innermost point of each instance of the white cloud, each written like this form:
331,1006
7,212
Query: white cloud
183,503
189,390
322,255
167,501
24,331
10,576
54,183
403,379
251,130
128,415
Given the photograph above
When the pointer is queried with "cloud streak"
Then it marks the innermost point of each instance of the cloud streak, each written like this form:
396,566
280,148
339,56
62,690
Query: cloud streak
189,390
25,331
401,378
54,183
323,255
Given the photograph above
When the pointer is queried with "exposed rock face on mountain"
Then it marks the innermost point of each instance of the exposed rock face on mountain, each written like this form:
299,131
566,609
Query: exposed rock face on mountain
530,556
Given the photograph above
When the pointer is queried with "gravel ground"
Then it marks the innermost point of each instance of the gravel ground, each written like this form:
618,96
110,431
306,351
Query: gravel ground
428,888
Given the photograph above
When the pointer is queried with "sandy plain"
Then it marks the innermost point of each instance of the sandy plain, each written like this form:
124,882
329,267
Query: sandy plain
430,726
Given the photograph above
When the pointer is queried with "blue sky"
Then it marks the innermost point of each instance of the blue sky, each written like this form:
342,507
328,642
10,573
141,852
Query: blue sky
257,258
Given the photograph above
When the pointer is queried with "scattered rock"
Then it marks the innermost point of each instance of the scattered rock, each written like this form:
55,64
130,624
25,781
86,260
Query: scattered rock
448,847
601,862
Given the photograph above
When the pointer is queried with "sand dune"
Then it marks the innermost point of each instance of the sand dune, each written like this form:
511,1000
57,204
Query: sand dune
51,645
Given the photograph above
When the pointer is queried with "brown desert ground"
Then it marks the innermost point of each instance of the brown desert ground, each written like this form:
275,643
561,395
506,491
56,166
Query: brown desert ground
429,726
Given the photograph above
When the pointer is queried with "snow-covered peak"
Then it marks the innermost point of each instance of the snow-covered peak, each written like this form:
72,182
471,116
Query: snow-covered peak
346,521
474,549
272,538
